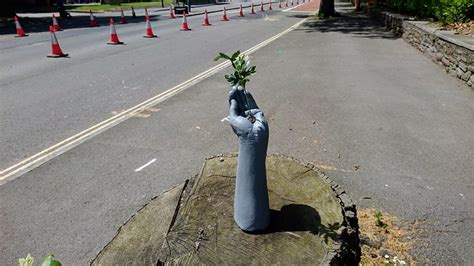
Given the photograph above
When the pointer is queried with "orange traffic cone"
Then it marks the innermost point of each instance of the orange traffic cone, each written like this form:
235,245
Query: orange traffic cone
114,39
92,20
224,16
19,30
55,48
241,12
184,26
172,12
149,31
55,24
206,19
122,17
252,11
261,7
270,5
133,13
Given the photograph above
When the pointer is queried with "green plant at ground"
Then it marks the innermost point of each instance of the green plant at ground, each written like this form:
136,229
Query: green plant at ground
47,261
28,261
378,220
446,11
395,261
451,11
242,68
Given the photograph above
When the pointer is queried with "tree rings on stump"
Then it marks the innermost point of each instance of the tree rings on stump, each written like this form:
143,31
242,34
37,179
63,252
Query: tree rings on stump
313,221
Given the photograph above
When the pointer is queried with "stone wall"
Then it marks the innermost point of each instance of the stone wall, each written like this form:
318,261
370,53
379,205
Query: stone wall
455,53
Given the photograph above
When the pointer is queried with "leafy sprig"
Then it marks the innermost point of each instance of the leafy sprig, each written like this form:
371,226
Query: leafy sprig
378,220
242,68
47,261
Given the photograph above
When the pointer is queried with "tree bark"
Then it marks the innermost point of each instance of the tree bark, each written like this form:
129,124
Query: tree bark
326,8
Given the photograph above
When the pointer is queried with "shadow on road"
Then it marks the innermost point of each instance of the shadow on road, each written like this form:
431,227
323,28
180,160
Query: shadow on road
41,24
299,15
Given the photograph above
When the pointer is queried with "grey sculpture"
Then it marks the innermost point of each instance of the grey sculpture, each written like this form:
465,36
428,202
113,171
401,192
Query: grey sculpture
251,207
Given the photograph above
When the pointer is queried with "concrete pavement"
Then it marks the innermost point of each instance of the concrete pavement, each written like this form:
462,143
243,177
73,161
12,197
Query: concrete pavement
338,93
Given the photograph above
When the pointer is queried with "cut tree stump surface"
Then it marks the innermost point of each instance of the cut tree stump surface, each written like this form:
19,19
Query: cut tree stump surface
312,221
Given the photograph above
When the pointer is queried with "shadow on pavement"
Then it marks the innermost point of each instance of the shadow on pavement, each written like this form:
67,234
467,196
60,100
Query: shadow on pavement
359,25
349,21
41,24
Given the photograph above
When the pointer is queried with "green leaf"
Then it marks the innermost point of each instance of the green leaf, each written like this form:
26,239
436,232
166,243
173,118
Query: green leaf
230,78
235,55
242,71
50,261
222,56
28,261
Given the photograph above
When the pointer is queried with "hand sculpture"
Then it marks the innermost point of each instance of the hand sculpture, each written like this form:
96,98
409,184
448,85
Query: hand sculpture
251,208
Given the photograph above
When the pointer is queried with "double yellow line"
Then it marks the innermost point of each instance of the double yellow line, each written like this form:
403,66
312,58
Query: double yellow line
71,142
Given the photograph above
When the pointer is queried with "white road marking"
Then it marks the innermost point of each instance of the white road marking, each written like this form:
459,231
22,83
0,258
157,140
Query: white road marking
268,18
140,115
61,147
38,43
225,119
145,165
288,9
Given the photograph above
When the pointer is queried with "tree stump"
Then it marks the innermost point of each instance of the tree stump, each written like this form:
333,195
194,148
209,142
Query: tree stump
313,221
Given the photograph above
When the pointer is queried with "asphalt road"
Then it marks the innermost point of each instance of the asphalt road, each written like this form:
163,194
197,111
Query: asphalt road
46,100
339,94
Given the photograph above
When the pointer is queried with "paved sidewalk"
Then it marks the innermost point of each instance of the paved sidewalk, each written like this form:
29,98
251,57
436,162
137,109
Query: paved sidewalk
344,93
310,6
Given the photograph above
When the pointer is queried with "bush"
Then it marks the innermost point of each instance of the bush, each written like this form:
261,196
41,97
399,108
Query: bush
446,11
455,11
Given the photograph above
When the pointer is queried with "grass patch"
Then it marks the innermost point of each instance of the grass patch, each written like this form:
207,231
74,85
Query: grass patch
384,245
117,7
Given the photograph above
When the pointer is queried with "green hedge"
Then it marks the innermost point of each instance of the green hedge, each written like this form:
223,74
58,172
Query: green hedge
446,11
